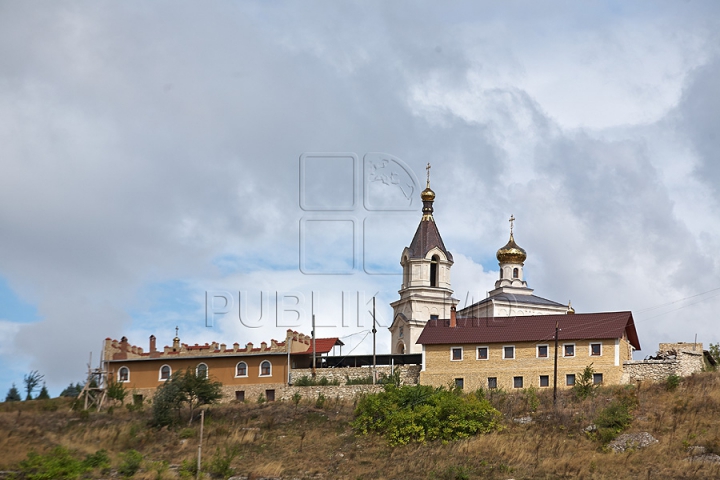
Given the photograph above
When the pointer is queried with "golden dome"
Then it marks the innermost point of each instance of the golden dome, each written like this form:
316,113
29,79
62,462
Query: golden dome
427,195
511,253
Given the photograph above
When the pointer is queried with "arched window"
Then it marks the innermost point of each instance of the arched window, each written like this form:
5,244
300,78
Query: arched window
202,371
406,273
501,274
401,348
265,369
241,370
434,271
516,272
124,374
165,372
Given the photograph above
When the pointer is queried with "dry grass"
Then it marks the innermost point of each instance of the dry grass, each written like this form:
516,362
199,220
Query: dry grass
279,440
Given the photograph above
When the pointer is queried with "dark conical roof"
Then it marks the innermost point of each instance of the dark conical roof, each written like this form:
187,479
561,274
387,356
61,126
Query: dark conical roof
426,238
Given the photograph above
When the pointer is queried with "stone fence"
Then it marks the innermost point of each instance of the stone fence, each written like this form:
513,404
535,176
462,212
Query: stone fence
409,374
680,361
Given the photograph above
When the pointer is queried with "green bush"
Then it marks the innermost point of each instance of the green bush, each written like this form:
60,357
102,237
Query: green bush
320,402
422,413
612,420
306,381
584,386
187,433
130,464
219,465
359,381
672,382
58,464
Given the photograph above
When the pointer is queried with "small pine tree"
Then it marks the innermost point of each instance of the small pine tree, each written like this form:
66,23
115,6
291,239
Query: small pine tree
43,395
13,394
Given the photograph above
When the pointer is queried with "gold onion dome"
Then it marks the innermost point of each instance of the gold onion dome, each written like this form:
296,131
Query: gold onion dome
427,195
511,253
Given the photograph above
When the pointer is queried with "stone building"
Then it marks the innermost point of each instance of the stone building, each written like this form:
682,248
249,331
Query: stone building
518,352
246,370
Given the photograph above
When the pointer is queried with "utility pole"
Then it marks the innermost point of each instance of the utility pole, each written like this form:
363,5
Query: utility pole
374,331
313,340
202,423
557,329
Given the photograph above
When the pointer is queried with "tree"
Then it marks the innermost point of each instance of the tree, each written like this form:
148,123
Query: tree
32,380
714,350
13,395
72,390
43,395
183,388
116,391
199,390
584,383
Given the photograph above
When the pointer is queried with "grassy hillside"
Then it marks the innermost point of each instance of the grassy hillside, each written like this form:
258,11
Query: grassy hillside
310,440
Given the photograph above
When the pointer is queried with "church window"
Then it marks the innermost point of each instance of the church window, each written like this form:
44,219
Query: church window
434,317
401,348
482,353
241,369
597,378
595,349
501,274
492,382
124,374
509,352
265,369
516,272
517,382
406,273
456,354
401,333
542,351
202,371
165,372
569,350
570,379
544,380
434,271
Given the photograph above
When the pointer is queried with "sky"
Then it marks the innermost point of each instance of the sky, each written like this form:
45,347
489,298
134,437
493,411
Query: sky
164,162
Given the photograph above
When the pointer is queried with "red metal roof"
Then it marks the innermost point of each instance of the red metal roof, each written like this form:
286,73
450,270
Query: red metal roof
322,345
536,328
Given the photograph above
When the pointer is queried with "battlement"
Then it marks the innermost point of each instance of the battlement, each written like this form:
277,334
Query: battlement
123,350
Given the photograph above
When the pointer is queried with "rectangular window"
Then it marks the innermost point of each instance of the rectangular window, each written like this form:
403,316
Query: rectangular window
569,350
597,378
542,351
240,395
482,353
459,383
595,349
433,317
509,352
518,382
270,395
456,353
544,380
492,382
570,379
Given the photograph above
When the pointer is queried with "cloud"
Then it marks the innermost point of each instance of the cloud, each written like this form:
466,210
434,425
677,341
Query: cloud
158,145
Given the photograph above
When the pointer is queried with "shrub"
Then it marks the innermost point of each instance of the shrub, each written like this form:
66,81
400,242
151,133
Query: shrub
584,386
672,382
306,381
296,398
117,391
359,381
612,420
58,464
187,433
219,465
130,463
320,402
183,388
261,399
421,413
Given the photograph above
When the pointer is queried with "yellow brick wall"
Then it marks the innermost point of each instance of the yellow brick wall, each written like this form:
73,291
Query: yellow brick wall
440,370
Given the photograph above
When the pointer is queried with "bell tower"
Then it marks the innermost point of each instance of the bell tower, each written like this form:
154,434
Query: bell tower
425,292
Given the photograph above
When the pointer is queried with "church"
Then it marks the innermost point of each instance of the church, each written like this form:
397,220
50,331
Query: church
426,294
